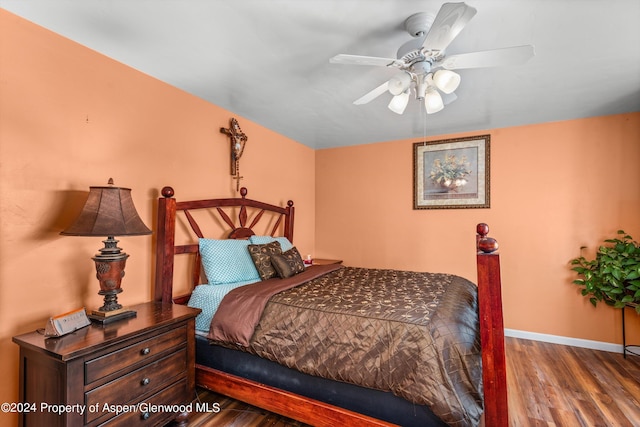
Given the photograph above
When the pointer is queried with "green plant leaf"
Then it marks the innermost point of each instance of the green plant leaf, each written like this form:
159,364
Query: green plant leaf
613,275
632,275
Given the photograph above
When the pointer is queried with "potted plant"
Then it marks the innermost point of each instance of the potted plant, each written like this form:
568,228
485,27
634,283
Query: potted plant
450,174
613,276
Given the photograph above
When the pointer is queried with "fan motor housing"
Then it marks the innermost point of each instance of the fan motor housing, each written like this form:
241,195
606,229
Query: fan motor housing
419,23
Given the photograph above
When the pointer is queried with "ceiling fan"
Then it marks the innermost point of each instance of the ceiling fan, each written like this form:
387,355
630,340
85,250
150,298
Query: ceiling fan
424,65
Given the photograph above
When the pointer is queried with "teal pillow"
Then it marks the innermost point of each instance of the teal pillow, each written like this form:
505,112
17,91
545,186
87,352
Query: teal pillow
227,261
285,244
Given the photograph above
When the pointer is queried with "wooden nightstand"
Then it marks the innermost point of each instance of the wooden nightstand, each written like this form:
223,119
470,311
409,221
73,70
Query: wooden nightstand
136,363
321,261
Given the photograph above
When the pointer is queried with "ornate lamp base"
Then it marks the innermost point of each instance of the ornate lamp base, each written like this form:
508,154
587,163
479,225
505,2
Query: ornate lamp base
110,263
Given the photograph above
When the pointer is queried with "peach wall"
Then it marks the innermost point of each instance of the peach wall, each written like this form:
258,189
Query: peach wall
554,188
71,118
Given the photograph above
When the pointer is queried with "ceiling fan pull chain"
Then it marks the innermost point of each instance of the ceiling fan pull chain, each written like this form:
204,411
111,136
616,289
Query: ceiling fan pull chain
424,114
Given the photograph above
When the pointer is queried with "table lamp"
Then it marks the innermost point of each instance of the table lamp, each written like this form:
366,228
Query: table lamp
109,211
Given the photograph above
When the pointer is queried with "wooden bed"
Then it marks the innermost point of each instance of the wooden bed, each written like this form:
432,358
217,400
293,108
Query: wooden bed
241,216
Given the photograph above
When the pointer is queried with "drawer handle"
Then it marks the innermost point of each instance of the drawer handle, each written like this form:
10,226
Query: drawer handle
145,381
145,351
145,415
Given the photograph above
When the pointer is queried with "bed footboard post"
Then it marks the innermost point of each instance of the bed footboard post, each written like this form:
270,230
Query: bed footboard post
288,221
494,373
165,249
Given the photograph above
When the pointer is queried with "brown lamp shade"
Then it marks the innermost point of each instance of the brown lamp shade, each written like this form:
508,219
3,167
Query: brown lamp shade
108,211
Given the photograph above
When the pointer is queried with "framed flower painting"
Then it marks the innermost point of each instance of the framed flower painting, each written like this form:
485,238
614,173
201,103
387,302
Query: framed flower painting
451,173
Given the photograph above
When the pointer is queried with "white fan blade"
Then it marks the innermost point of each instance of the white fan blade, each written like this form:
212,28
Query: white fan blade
373,94
363,60
451,19
489,58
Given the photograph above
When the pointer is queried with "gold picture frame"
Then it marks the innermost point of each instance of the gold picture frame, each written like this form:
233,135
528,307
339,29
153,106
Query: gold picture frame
452,173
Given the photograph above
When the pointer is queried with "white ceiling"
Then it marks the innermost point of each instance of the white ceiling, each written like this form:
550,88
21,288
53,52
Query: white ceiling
268,60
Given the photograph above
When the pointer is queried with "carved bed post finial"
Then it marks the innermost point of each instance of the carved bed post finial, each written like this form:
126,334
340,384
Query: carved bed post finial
485,244
167,192
243,192
482,229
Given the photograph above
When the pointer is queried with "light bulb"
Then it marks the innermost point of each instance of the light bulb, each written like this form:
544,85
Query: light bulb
447,81
433,101
399,83
399,102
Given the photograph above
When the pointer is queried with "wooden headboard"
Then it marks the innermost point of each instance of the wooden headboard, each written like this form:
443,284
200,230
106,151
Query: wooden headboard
237,223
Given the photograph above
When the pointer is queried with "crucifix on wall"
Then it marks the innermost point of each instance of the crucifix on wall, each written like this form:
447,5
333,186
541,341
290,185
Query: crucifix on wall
238,142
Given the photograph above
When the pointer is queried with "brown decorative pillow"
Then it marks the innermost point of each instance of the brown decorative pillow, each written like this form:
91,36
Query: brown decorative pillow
288,263
261,256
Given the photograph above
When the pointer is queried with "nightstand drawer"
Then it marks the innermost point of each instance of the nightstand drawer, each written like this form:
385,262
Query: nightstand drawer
128,356
140,382
149,412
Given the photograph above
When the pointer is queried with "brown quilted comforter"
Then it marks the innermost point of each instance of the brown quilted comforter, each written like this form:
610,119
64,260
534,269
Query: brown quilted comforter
413,334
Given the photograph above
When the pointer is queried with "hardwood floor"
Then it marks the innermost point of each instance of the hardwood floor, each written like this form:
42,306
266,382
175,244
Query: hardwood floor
236,414
555,385
549,385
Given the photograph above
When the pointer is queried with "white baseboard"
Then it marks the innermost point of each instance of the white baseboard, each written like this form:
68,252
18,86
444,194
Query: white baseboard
555,339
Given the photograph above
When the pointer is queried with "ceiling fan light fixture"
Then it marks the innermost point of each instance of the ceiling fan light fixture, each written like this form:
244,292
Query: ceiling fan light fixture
447,81
399,83
433,101
426,51
399,102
